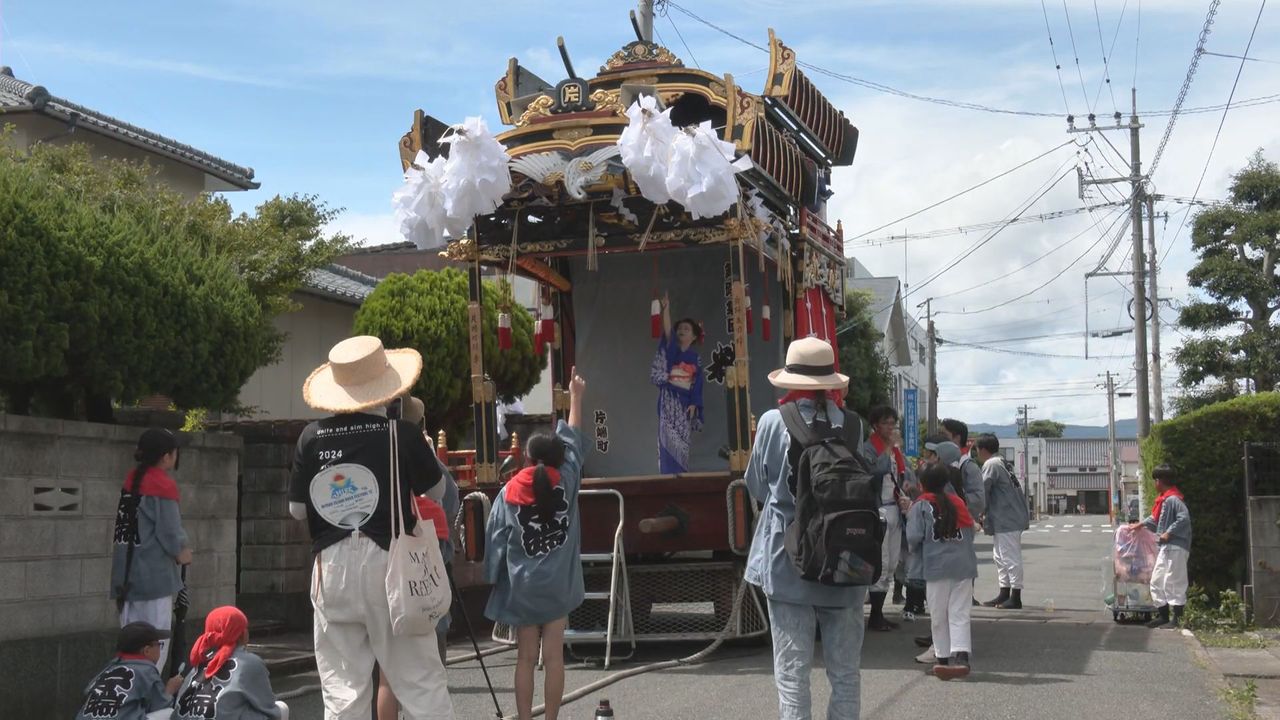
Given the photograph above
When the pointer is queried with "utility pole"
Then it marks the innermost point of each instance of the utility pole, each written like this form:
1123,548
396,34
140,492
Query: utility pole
1026,451
644,19
1157,392
1136,196
1111,446
933,368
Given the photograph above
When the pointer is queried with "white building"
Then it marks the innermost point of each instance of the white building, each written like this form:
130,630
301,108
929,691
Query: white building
1066,473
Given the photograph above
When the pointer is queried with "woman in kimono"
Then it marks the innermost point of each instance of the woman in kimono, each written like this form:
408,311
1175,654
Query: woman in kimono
677,372
534,555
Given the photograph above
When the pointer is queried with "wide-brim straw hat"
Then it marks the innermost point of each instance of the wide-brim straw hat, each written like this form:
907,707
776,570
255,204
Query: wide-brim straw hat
360,375
811,365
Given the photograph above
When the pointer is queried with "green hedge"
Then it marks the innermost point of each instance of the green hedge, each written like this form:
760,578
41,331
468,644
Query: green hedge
1205,449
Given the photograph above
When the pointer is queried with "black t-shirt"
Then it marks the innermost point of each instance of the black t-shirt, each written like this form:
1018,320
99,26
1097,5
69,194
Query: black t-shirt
342,471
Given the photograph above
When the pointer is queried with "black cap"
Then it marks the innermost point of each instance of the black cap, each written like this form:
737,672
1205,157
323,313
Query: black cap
154,443
137,635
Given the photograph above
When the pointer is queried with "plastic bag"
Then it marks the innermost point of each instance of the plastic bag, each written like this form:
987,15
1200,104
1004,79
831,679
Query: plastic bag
1135,554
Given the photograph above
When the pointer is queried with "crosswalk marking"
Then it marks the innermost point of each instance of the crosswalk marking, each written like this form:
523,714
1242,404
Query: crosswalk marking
1068,526
1086,531
1048,526
1084,526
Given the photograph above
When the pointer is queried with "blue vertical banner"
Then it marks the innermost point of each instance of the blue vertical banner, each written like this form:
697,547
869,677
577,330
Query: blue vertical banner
910,422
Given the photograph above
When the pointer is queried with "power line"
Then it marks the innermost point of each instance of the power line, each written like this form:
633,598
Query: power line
1066,107
1242,57
1218,134
1186,85
1106,69
1072,34
970,189
682,41
966,229
988,238
1010,399
1027,353
890,90
1011,273
1102,236
1137,36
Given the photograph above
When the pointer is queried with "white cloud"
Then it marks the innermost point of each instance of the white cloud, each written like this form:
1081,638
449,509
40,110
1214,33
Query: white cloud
88,55
367,228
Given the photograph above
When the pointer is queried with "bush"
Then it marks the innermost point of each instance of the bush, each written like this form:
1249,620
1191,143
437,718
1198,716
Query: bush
1204,448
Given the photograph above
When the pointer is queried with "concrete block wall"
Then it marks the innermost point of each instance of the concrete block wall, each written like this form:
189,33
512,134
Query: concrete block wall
59,487
275,549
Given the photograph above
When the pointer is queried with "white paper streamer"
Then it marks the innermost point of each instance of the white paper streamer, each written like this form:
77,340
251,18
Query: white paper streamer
419,205
646,147
475,175
701,172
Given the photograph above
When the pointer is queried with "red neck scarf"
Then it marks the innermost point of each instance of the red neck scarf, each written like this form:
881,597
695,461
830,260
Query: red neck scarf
963,518
879,445
520,486
835,396
155,483
223,629
431,510
132,656
1171,492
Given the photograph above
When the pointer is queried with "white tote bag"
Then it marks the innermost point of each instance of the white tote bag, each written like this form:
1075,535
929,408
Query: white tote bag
418,592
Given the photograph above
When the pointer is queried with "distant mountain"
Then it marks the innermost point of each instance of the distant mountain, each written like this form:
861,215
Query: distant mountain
1124,429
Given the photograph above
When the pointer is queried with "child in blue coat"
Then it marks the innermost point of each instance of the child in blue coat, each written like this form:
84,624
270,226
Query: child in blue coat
534,557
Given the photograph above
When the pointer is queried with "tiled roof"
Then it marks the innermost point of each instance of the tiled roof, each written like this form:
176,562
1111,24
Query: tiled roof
340,283
395,247
20,96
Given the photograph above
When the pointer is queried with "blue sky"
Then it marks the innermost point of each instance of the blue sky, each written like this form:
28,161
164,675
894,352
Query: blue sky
314,95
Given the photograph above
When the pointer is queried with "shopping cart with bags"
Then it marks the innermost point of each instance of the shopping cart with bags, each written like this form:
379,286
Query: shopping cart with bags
1127,577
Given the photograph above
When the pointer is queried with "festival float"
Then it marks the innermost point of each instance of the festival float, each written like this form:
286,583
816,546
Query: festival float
649,192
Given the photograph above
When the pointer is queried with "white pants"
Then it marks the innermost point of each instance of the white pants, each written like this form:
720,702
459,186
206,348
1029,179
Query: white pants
891,548
353,628
1006,553
1169,576
158,612
949,605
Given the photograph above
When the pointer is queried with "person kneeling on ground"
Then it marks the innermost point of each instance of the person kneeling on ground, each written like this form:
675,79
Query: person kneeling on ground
129,687
226,681
1170,520
940,528
534,556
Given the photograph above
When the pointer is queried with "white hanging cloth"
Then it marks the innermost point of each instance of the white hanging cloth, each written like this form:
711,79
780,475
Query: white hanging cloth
701,173
419,205
476,175
645,147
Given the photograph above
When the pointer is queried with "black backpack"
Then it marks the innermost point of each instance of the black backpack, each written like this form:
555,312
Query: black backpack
836,536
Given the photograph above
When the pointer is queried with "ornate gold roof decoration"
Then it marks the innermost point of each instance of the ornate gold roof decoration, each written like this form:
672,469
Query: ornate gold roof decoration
610,100
639,51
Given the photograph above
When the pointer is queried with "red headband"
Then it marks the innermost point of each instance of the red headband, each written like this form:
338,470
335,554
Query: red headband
223,629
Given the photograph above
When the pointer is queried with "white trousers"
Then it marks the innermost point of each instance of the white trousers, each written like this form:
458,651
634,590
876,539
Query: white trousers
1169,576
167,713
1006,553
890,549
158,612
353,629
949,606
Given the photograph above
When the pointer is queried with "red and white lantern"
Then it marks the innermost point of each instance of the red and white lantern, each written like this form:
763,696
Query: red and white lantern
655,319
504,331
766,323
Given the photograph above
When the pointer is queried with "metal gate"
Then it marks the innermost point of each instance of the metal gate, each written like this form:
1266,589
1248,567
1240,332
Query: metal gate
1262,514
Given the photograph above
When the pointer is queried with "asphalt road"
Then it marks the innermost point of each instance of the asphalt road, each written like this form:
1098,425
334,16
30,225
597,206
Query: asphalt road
1071,662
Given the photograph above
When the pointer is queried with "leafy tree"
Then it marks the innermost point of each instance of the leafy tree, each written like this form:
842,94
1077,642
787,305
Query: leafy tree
1043,429
428,311
113,287
1193,399
870,382
1238,246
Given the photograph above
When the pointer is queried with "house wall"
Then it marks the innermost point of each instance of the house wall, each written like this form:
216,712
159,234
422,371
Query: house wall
275,391
30,128
59,486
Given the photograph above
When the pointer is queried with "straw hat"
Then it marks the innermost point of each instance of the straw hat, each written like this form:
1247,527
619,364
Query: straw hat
360,375
811,365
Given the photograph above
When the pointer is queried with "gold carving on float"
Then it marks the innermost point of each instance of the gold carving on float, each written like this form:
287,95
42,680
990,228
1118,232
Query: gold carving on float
576,133
609,100
639,51
782,65
718,89
502,91
540,107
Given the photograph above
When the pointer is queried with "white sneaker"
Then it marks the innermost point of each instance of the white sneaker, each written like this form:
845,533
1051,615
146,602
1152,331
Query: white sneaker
908,616
927,657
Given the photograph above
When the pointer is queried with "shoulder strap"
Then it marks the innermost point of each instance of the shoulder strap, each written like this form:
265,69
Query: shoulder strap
797,427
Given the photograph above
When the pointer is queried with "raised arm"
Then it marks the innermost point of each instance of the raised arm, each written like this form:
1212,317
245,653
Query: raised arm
666,315
577,386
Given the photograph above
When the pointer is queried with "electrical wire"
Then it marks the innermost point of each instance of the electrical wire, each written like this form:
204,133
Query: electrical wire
1221,122
966,229
1072,34
966,191
1027,353
1011,273
1137,37
1186,85
1106,68
890,90
1242,57
1102,236
682,41
1066,107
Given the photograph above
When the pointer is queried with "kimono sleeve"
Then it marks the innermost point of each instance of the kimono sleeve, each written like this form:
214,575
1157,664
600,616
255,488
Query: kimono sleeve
170,534
916,522
153,695
1181,516
757,474
975,495
497,532
255,687
660,368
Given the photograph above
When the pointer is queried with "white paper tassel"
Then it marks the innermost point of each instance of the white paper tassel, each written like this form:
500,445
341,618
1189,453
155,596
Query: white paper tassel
701,174
476,175
646,147
419,205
